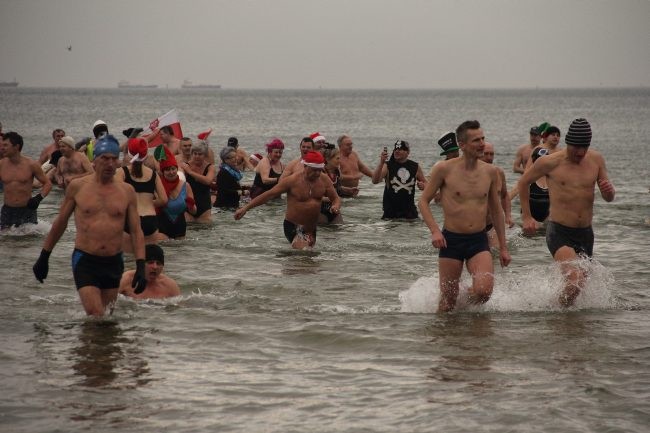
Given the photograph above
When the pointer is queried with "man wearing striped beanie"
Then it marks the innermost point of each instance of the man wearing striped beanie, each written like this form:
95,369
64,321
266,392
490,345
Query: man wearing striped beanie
572,174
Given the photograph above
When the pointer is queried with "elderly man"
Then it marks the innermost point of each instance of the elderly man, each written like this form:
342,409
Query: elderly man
352,169
72,164
101,206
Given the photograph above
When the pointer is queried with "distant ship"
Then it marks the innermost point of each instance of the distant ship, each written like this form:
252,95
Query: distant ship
126,85
13,83
188,85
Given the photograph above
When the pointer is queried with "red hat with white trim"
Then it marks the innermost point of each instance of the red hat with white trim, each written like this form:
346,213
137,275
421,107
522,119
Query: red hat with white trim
313,159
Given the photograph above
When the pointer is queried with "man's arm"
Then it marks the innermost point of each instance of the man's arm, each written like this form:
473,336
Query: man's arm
283,186
133,219
432,186
44,180
517,166
494,205
421,180
606,188
505,198
363,168
381,170
61,221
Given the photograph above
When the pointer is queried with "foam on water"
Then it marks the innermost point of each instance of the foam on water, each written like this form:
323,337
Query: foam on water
536,290
40,228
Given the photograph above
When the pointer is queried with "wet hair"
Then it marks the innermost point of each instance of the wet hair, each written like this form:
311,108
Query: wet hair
307,140
59,131
461,131
136,167
168,129
186,139
14,138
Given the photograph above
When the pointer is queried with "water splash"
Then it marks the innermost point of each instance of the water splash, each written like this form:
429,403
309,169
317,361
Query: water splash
40,228
536,290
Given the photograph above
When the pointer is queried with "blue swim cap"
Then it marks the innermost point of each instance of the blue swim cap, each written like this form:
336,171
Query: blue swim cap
106,144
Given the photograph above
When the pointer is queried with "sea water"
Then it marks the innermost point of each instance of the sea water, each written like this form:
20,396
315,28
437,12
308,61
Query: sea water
344,338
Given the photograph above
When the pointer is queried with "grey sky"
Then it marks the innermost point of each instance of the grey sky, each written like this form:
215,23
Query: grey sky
327,43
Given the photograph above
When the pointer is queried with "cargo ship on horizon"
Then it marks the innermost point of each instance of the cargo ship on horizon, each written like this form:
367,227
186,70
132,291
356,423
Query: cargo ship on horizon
126,85
187,84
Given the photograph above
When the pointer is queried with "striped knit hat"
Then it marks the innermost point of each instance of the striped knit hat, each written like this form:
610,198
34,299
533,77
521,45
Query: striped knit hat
579,133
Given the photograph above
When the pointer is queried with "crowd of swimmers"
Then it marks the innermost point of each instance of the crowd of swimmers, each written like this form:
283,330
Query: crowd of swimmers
127,196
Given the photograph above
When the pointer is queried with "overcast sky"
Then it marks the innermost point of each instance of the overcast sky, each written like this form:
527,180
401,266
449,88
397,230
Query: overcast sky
327,43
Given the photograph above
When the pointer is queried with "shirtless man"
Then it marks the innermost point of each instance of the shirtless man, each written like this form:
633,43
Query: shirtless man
101,205
168,139
352,169
468,188
72,164
571,174
159,285
295,165
185,151
550,142
305,191
17,173
47,151
502,191
242,162
524,151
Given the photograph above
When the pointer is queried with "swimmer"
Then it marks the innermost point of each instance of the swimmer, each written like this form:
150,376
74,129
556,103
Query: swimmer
101,204
572,173
17,173
305,191
468,191
159,285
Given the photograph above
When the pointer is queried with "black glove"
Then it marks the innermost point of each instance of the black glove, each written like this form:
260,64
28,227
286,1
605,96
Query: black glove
41,267
139,282
33,202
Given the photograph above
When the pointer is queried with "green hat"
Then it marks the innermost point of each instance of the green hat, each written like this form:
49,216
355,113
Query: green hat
543,127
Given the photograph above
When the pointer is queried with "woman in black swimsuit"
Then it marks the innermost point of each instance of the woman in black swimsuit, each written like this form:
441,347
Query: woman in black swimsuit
200,174
269,169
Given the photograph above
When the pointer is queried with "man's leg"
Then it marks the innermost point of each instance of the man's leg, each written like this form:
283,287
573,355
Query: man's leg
449,271
96,301
481,269
574,276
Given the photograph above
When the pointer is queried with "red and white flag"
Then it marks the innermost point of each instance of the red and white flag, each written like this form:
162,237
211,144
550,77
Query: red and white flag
168,119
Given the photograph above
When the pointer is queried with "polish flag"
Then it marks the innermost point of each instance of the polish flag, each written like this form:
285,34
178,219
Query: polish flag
168,119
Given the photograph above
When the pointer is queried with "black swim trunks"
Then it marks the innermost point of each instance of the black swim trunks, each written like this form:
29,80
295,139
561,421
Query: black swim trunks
99,271
580,239
15,216
292,230
461,246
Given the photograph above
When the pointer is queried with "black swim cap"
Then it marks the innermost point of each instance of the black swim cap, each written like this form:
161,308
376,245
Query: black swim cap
154,252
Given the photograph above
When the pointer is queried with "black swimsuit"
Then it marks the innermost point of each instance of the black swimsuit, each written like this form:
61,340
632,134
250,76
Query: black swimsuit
201,192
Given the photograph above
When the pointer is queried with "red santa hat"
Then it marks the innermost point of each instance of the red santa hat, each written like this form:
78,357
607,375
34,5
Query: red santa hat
313,159
316,136
137,149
